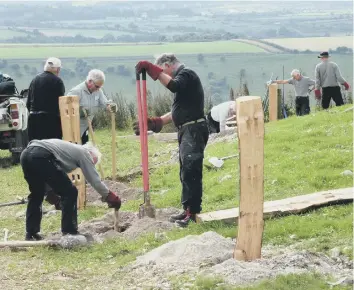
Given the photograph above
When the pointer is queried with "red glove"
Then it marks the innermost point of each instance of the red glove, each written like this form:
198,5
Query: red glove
154,124
152,70
318,94
113,200
346,85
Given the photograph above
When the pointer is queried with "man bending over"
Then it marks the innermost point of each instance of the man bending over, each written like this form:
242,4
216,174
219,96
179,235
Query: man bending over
48,162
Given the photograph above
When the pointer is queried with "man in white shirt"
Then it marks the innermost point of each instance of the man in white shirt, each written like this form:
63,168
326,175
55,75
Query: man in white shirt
219,114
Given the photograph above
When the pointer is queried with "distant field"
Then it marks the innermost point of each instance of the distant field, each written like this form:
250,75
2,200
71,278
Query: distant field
314,43
84,32
6,34
128,50
213,71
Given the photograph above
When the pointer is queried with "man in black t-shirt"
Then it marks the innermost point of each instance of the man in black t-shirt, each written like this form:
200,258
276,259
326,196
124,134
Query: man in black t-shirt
187,114
43,102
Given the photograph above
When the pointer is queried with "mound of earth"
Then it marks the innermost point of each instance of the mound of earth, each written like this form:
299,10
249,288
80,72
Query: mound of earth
125,192
210,254
132,226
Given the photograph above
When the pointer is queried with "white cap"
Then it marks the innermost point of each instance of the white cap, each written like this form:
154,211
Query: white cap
53,62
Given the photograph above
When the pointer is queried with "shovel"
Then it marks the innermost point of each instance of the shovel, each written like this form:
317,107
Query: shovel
21,201
219,162
114,166
145,209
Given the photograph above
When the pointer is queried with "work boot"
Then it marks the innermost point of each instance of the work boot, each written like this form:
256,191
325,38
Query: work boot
178,217
33,237
190,218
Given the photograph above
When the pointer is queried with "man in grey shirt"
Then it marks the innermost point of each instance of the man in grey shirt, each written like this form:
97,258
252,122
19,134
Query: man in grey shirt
302,86
92,99
328,77
48,162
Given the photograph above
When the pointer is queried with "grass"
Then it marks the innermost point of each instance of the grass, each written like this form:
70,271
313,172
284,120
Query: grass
314,43
128,50
302,155
286,282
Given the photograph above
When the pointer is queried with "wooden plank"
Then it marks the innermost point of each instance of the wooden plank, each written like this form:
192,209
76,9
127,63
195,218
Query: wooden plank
273,102
70,123
287,206
250,127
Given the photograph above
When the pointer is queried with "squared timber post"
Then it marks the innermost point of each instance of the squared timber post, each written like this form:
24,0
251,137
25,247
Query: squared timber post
70,123
273,102
250,127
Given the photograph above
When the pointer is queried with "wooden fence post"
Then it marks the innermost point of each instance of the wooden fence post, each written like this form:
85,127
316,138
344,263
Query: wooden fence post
273,102
250,127
70,123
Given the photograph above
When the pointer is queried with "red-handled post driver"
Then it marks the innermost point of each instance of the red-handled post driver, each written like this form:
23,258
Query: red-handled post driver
145,209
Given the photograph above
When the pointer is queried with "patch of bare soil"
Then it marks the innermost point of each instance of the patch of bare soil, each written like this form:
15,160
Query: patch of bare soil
132,226
210,254
124,192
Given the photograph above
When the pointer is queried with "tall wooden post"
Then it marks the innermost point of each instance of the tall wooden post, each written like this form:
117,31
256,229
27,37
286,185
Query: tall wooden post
70,123
273,102
250,127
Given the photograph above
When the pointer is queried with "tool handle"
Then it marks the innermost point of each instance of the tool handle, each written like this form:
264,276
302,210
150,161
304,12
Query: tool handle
229,157
114,162
140,116
145,136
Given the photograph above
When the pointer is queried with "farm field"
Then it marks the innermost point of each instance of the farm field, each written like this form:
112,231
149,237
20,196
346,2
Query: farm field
128,50
314,43
215,72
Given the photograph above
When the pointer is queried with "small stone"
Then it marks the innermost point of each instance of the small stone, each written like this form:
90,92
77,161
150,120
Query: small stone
347,173
335,252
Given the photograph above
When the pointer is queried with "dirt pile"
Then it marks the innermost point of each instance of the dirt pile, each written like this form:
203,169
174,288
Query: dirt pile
211,254
132,227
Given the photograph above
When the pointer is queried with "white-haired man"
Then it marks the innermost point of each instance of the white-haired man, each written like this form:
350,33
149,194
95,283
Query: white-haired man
187,114
43,102
48,162
302,88
218,116
328,77
92,99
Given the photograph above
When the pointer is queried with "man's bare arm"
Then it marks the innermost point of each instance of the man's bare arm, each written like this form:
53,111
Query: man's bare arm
280,82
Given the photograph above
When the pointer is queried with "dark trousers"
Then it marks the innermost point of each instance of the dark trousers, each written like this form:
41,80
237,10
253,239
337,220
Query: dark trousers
192,140
40,168
44,126
84,137
329,93
302,105
213,126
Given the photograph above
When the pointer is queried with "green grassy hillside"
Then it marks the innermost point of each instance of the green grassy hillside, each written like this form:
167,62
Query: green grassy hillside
302,155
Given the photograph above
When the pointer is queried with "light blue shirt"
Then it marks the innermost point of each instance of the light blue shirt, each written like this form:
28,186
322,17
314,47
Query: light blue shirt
93,102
